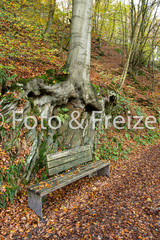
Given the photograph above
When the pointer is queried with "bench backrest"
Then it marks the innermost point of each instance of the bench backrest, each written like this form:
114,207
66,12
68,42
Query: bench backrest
61,161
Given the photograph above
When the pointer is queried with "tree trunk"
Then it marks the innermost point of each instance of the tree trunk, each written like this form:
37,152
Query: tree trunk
78,61
50,17
126,67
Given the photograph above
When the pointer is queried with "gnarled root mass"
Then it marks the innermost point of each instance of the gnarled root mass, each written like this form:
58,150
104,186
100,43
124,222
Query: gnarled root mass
39,99
61,93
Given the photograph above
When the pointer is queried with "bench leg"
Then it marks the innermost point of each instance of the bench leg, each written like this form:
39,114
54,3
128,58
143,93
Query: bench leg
104,171
92,174
35,203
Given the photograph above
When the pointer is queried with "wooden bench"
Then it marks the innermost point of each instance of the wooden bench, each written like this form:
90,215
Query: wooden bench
80,164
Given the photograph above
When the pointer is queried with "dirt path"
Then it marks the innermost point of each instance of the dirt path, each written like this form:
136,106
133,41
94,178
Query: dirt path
126,206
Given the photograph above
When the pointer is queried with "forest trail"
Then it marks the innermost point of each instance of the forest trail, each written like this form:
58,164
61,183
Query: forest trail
125,206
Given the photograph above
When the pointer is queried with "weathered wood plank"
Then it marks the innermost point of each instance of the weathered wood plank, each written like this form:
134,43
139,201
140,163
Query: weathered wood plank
65,175
68,177
66,159
68,165
55,183
73,151
80,170
71,180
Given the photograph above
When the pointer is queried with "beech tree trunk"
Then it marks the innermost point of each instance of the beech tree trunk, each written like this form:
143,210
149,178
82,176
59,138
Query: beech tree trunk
50,17
78,61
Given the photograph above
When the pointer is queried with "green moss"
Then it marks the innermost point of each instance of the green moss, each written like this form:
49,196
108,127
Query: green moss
60,78
24,81
50,72
14,87
42,157
49,78
96,88
42,154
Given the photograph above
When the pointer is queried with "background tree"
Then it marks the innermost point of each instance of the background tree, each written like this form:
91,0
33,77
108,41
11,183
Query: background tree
52,7
147,10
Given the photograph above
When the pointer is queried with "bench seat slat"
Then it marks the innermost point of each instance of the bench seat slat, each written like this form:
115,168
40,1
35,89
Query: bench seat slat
45,187
57,177
69,172
66,159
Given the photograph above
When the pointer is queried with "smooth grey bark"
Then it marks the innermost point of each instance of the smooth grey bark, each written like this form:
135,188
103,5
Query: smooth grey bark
78,61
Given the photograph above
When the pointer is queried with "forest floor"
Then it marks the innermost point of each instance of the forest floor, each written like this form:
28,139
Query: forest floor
124,206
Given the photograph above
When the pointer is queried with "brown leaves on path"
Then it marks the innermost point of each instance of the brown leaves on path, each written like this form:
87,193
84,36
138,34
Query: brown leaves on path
126,206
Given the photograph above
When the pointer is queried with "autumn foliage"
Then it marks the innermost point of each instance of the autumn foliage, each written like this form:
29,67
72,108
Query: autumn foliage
126,206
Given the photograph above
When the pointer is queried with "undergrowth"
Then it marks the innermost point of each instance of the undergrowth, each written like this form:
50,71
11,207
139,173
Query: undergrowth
9,186
114,143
